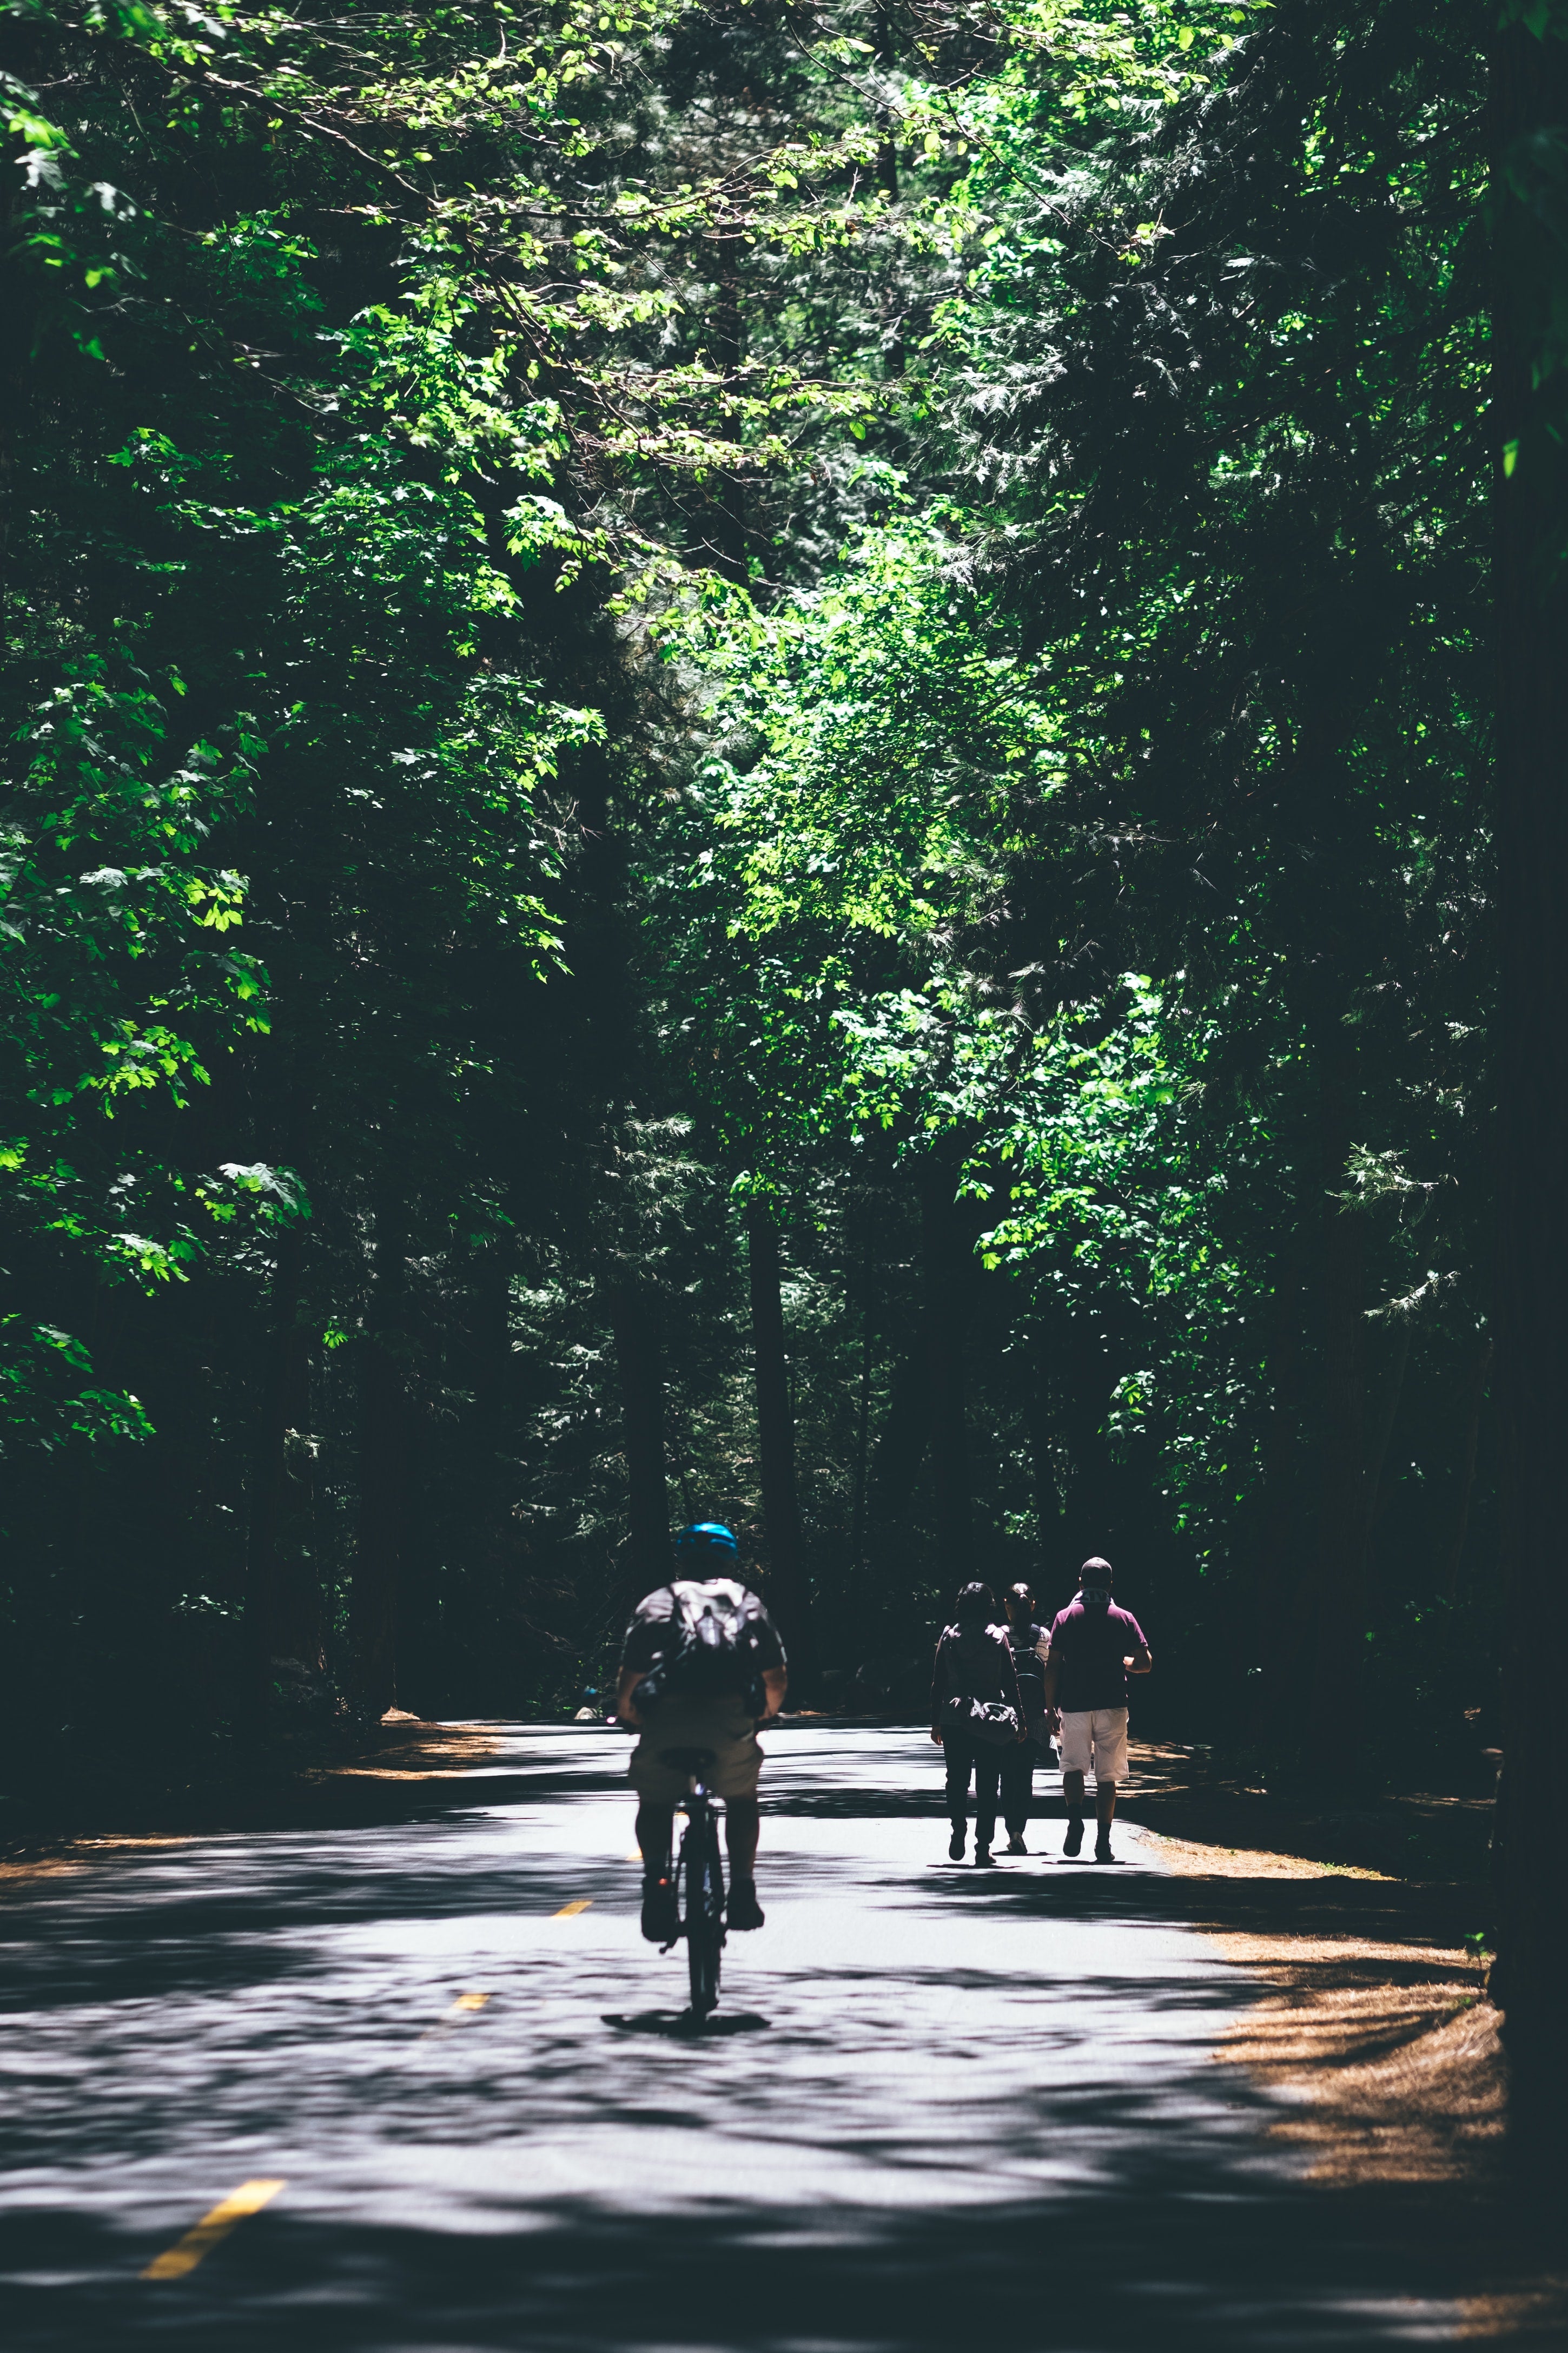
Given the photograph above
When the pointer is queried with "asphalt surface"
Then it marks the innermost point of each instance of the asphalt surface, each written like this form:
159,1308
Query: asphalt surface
452,2101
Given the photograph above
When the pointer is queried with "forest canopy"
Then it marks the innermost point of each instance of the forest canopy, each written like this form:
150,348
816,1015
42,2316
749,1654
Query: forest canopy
747,775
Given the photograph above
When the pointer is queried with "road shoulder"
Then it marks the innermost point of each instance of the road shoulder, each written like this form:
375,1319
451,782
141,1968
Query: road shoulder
1376,2034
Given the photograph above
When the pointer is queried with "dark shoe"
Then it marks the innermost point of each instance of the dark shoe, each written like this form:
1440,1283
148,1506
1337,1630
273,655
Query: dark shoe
743,1910
956,1844
982,1854
1074,1838
1103,1852
660,1920
1016,1844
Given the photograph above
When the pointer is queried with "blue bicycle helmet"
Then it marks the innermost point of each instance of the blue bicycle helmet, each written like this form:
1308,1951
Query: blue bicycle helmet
706,1540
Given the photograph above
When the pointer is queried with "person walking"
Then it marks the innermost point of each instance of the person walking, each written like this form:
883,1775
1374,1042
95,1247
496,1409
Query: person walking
1028,1642
1094,1647
975,1712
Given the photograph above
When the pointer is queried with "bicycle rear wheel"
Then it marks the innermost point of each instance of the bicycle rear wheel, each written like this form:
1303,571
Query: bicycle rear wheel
704,1915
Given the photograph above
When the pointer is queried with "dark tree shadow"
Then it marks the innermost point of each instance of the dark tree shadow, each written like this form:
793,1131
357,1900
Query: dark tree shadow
683,2023
878,2166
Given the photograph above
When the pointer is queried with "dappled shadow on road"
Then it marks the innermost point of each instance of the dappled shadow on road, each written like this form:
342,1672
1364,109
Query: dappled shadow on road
1179,2254
240,1913
683,2022
1370,1909
856,1805
907,2156
924,2134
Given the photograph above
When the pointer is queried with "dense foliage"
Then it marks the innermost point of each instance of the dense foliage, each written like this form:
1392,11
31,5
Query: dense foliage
665,664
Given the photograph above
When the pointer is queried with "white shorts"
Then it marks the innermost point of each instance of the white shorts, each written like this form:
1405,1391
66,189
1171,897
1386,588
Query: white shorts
1100,1731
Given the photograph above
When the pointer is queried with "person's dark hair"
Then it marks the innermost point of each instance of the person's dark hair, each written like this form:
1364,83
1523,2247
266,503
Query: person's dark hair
1021,1592
1095,1572
976,1606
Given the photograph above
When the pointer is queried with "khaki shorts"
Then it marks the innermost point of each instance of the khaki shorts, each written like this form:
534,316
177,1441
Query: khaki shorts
720,1725
1100,1731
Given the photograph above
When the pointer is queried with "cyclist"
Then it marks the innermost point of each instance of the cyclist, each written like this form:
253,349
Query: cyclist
701,1664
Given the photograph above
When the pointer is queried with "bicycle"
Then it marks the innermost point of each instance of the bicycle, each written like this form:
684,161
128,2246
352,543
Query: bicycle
700,1879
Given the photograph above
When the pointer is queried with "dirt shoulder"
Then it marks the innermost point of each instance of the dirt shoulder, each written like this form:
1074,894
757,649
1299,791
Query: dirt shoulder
1375,2031
1378,2028
1409,1834
1378,2031
405,1748
399,1765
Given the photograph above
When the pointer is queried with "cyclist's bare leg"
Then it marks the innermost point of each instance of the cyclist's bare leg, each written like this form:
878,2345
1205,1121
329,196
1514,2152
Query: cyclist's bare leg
742,1827
656,1829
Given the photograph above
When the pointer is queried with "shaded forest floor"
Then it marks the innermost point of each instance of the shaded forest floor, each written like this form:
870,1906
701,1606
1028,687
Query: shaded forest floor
1422,1834
98,1802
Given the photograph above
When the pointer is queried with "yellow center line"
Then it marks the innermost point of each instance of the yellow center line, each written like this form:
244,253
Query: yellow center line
464,2002
567,1910
248,2198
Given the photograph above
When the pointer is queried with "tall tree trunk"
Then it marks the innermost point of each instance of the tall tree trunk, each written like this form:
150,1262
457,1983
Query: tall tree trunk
1338,1582
19,303
888,48
788,1594
490,1338
1087,1521
1376,1493
1530,119
282,1606
950,1271
1387,1421
863,1407
383,1473
1052,1571
900,1450
1469,1449
1271,1667
636,1330
729,350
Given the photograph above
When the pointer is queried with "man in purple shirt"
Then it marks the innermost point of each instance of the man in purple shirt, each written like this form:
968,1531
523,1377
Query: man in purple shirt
1094,1647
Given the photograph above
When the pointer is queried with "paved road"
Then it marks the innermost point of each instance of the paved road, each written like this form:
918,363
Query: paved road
943,2109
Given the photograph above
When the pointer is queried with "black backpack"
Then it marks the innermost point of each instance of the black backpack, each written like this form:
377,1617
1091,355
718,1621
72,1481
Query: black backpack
1030,1669
710,1646
976,1662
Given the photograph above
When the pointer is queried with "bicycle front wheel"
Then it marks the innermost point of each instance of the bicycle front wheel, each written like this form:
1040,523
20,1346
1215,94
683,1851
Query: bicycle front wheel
704,1919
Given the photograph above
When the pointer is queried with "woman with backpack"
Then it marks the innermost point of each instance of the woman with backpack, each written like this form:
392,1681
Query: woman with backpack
976,1714
1030,1643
